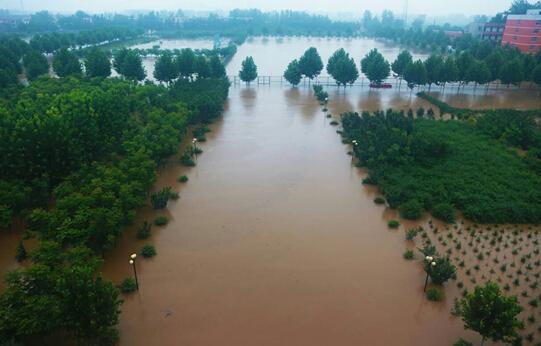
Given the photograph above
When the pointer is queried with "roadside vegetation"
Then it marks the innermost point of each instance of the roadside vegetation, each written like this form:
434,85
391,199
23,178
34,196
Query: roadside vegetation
78,157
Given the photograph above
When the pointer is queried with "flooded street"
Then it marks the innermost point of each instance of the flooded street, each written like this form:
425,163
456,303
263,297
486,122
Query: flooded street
276,241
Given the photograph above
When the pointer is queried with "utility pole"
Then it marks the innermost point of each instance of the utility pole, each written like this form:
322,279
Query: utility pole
406,8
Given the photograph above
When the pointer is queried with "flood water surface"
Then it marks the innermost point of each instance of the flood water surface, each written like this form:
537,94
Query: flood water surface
274,240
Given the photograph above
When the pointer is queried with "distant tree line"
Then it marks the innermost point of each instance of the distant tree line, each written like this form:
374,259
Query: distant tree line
237,23
479,64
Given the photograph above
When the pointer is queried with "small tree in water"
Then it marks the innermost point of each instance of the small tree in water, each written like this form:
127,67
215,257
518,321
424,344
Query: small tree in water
491,314
248,72
375,67
293,73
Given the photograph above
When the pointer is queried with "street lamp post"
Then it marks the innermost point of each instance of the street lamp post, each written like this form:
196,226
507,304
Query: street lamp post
132,262
194,147
431,263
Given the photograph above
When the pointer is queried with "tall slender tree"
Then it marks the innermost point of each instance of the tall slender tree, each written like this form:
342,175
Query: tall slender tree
401,63
375,67
165,69
97,63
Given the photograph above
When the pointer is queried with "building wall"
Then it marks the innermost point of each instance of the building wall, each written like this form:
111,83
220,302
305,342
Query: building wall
523,32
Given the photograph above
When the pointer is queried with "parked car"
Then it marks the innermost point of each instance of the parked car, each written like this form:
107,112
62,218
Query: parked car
381,86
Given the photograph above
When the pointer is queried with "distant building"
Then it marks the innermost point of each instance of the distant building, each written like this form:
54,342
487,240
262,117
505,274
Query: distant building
524,31
487,31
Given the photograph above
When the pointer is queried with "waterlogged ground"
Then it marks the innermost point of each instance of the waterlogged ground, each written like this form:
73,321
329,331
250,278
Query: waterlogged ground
274,240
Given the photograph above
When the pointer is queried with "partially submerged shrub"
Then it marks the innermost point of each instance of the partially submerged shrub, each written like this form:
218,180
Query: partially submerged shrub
161,220
434,294
128,285
144,231
160,198
379,200
409,255
393,224
411,233
183,179
411,210
148,251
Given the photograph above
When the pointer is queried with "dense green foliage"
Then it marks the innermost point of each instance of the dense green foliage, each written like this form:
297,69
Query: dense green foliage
35,64
434,294
97,63
491,314
61,291
446,165
90,146
441,272
129,64
66,63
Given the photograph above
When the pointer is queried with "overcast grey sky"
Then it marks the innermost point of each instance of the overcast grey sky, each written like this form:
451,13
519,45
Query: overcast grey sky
431,7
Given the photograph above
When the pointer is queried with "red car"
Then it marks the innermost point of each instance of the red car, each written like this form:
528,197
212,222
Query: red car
381,86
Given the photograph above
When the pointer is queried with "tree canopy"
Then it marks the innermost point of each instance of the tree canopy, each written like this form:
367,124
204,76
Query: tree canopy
342,68
375,67
65,63
310,63
293,73
97,64
248,72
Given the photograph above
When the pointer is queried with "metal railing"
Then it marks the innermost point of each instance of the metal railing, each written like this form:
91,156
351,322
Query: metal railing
364,82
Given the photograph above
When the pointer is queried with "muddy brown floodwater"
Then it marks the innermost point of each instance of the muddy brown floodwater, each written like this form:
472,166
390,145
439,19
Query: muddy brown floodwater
274,240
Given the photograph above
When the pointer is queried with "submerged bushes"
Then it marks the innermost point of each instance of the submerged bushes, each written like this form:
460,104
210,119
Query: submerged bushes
441,166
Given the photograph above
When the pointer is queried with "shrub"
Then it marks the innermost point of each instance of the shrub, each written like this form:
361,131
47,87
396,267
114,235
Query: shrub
411,233
411,210
379,200
160,198
420,112
183,179
148,251
408,255
444,212
144,231
161,220
393,224
187,161
128,285
462,342
442,271
21,252
434,294
334,123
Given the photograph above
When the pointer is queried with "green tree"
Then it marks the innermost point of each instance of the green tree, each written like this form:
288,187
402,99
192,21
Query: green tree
129,64
479,73
35,64
415,74
186,63
375,67
165,69
495,62
401,63
65,63
97,63
528,65
61,291
342,68
248,72
202,67
491,314
536,75
293,73
464,62
434,70
511,72
450,71
310,63
441,272
217,68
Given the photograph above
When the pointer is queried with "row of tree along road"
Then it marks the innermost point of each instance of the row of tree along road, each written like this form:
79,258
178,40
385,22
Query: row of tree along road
506,65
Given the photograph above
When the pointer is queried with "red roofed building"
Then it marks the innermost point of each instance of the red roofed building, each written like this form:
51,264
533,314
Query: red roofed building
523,31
